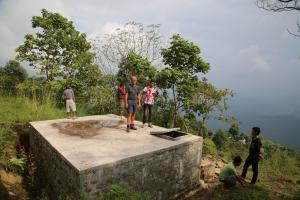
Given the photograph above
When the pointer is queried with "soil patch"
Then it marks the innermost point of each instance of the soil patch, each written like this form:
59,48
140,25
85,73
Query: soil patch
87,129
11,187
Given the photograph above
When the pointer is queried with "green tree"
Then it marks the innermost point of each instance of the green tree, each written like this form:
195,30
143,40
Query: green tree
134,64
56,49
234,131
183,62
220,139
210,133
11,75
206,99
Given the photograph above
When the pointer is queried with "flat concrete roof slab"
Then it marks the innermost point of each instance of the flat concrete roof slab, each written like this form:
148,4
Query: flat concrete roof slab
92,141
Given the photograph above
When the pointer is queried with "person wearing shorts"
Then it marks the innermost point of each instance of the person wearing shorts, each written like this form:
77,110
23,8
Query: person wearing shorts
70,102
132,102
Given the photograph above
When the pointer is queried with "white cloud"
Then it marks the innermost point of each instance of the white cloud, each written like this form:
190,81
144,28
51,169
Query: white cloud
253,57
107,28
7,41
15,22
260,64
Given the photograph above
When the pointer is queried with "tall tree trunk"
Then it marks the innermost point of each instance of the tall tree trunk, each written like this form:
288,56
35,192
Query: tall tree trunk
202,125
174,112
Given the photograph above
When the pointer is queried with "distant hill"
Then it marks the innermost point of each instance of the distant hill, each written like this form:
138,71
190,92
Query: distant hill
280,129
280,122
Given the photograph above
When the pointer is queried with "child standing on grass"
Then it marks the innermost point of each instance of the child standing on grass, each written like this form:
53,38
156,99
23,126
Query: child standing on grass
228,175
254,154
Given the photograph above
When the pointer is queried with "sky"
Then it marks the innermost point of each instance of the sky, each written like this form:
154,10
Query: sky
249,49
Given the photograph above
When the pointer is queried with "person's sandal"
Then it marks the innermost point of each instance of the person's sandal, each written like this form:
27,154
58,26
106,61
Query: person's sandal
128,129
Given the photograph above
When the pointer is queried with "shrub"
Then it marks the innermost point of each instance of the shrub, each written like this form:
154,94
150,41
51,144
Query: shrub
220,139
117,192
209,147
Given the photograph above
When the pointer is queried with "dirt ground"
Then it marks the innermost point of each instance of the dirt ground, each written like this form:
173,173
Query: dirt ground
267,188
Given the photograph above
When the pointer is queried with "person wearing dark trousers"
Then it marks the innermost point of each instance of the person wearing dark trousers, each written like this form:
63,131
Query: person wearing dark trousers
254,155
149,93
147,117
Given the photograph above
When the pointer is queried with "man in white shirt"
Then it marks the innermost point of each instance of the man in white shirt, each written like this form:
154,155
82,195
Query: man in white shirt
149,93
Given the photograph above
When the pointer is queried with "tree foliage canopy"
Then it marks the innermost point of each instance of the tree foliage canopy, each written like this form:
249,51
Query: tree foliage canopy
184,55
206,99
134,64
183,63
11,75
56,49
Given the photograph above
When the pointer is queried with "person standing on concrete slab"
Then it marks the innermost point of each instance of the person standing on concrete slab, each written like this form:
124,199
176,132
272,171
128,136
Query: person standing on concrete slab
70,102
121,99
149,93
132,102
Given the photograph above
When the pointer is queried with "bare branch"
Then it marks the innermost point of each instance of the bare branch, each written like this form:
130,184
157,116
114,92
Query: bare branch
132,37
294,34
279,5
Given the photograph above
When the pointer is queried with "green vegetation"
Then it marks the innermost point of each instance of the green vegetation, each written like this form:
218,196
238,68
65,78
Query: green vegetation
134,64
279,171
63,57
57,49
183,62
10,76
22,110
118,192
7,136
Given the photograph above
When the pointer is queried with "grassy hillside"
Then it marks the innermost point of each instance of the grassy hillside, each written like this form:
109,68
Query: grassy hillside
22,110
279,172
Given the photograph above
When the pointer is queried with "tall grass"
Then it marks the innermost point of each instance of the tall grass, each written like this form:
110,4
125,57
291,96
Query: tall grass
281,161
22,110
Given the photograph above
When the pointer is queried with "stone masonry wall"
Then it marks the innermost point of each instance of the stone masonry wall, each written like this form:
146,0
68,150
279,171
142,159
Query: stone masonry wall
53,171
163,173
